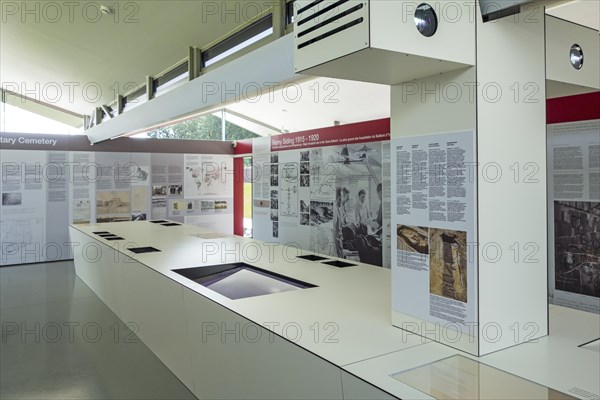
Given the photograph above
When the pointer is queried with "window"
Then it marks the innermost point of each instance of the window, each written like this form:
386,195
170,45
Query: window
18,120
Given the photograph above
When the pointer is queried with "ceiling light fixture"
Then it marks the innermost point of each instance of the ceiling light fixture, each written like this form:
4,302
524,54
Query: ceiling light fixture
576,56
105,10
426,20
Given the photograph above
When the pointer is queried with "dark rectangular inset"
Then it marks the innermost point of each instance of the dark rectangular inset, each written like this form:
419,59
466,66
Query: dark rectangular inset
171,224
140,250
101,233
159,221
240,280
331,33
114,238
105,235
339,264
312,257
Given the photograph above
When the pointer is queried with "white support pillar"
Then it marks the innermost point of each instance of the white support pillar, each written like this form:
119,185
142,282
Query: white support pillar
498,107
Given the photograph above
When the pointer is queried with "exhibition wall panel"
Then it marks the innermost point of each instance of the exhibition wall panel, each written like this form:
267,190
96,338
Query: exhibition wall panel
434,271
511,216
574,201
50,181
469,184
323,191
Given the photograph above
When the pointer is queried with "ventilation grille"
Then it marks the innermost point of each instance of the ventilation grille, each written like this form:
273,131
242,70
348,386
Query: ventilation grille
322,19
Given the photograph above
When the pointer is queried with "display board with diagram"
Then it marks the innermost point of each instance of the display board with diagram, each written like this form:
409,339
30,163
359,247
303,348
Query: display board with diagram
49,182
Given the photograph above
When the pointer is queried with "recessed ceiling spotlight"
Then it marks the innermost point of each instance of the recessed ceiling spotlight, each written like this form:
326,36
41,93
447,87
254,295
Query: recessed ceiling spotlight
576,56
105,10
426,20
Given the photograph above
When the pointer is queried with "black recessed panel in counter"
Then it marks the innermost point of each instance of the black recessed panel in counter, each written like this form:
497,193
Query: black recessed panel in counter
140,250
339,264
312,257
106,235
241,280
171,224
158,221
114,238
101,233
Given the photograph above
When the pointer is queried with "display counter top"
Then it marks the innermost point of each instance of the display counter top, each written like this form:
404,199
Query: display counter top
555,361
346,318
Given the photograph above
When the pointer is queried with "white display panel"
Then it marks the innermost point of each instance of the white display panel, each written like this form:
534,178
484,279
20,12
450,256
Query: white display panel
301,207
45,190
434,266
574,214
23,211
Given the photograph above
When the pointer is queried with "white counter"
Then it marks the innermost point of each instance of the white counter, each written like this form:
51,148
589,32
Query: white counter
305,343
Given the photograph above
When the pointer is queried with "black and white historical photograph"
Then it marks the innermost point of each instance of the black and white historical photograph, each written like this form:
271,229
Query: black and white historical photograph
321,223
274,180
304,219
176,190
577,247
275,229
304,207
304,168
305,155
321,213
274,215
274,169
274,200
304,180
274,158
352,176
139,217
159,190
12,199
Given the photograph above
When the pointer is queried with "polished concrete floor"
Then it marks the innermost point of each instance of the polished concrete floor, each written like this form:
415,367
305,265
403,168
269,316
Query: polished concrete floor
59,341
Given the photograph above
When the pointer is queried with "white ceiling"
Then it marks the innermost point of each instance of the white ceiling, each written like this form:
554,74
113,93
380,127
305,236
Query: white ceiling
56,46
316,104
146,37
583,12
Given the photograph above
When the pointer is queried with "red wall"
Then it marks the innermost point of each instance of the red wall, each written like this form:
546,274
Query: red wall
573,108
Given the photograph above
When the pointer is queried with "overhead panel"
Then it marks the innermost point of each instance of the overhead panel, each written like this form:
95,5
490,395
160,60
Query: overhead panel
572,58
387,42
327,30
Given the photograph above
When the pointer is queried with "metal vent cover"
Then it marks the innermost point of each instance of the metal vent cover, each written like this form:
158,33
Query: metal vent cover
328,29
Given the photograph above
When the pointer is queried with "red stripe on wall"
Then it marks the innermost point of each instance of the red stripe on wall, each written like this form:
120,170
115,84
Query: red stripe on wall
361,132
243,146
581,107
238,196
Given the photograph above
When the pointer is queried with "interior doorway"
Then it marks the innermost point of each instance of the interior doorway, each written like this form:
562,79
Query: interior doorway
248,197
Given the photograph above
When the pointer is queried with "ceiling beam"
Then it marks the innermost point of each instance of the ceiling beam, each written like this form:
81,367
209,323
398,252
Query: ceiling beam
47,110
259,72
